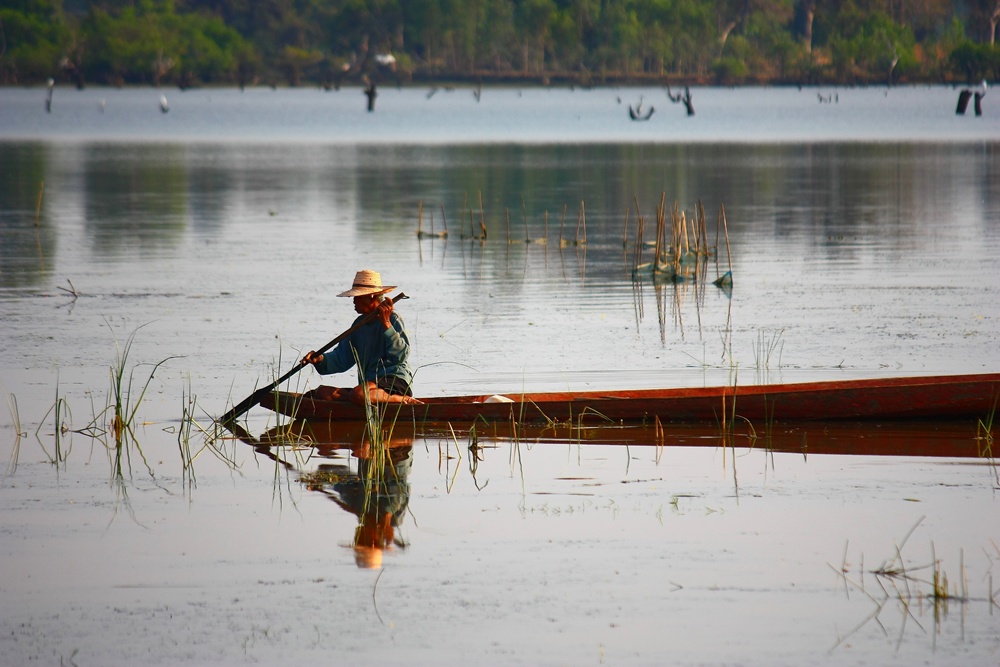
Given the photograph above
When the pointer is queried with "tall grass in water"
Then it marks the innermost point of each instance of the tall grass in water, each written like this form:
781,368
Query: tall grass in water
15,417
909,585
122,407
59,408
984,432
211,438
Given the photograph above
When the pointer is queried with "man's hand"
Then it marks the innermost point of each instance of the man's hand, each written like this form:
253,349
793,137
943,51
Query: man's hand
384,311
312,357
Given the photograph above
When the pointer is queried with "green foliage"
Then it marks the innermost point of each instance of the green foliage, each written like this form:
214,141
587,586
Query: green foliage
870,47
190,42
33,41
976,62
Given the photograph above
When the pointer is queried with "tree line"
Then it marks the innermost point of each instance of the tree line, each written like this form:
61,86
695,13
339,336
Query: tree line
327,42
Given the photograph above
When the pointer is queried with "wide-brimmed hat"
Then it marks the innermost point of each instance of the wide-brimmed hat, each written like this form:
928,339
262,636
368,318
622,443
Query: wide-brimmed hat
367,281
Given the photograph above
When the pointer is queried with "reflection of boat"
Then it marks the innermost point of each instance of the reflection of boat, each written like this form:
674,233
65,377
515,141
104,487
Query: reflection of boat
326,439
939,438
891,398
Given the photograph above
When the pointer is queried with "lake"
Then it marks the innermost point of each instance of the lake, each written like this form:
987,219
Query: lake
198,251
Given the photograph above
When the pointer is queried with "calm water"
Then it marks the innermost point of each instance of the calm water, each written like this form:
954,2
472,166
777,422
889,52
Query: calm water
863,235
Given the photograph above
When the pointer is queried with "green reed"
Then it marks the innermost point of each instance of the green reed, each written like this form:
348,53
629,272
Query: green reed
984,432
59,409
766,347
122,407
15,451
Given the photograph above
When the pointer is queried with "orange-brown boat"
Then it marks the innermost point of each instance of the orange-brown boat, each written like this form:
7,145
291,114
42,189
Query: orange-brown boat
936,397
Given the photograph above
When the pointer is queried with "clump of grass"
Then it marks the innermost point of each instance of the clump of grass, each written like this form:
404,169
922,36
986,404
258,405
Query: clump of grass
121,410
909,585
189,425
766,347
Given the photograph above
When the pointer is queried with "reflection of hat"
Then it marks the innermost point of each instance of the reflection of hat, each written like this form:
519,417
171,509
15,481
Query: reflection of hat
367,281
368,558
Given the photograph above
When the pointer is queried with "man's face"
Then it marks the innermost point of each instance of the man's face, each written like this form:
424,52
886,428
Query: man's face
365,303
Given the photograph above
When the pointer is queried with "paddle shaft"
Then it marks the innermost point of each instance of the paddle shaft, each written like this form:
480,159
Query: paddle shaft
255,398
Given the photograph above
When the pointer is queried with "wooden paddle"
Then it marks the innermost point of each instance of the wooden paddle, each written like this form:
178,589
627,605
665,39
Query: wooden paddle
255,398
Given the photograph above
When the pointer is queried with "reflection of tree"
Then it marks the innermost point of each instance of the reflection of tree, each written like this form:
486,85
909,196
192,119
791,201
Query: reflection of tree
135,202
28,247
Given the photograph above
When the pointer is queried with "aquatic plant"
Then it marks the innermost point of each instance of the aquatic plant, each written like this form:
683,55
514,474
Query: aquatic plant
984,432
18,434
211,438
125,402
59,408
120,412
766,347
909,585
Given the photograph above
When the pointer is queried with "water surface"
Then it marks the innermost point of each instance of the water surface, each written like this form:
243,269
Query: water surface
862,239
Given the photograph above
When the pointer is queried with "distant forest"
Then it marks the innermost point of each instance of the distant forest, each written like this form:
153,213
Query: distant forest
581,42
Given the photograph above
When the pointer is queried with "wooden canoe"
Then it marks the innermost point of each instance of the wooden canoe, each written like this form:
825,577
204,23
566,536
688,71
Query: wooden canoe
937,397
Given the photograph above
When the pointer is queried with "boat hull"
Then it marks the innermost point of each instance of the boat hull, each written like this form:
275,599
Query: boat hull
938,397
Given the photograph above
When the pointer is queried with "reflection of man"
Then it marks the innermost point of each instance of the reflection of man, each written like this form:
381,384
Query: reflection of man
378,494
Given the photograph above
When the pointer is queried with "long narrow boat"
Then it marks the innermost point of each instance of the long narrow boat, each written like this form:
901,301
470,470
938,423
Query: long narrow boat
935,397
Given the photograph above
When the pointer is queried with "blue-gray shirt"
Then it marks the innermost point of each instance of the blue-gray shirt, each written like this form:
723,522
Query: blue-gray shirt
380,352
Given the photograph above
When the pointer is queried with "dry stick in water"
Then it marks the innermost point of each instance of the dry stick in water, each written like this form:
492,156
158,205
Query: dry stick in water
625,228
637,250
675,234
482,216
638,243
684,228
722,213
658,245
562,223
718,227
704,231
524,217
38,207
444,219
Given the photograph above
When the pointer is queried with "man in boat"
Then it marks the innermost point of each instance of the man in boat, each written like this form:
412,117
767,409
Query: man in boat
380,349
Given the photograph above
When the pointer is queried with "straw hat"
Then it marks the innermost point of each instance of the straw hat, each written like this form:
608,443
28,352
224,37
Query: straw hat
367,281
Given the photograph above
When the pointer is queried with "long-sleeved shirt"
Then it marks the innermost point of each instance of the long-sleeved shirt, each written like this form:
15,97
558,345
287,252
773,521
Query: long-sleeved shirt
380,352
